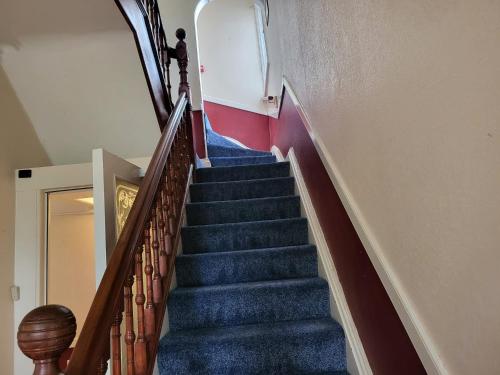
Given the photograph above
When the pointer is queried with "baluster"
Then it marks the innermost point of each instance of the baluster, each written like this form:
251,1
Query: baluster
167,214
149,311
171,193
102,367
183,61
156,258
140,299
161,230
129,323
116,349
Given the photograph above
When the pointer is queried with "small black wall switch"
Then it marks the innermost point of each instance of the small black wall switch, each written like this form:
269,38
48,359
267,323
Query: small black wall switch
24,173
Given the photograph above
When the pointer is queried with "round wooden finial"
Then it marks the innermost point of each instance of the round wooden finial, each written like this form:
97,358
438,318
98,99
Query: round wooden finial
180,34
44,334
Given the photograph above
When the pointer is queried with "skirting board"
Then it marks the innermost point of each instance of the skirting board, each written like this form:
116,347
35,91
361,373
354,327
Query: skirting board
357,361
414,326
237,105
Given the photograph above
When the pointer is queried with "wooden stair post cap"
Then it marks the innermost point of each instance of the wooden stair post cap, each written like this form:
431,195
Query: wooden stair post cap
44,334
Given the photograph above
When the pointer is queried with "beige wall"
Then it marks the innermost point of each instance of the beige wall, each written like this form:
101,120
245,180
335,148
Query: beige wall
405,96
71,264
229,50
176,14
19,148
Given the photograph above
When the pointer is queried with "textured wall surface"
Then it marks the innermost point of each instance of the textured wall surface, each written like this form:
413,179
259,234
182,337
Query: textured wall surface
405,97
19,148
387,346
229,50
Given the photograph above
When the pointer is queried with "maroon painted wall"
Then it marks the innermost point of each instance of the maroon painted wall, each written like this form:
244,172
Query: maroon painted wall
198,134
251,129
387,345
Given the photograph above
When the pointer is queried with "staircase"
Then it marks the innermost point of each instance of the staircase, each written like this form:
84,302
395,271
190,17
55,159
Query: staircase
248,297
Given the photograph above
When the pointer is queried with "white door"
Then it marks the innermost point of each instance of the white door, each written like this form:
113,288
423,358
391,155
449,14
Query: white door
104,175
115,183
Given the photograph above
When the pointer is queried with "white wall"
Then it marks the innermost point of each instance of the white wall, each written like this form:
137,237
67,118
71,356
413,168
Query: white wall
19,148
404,96
229,50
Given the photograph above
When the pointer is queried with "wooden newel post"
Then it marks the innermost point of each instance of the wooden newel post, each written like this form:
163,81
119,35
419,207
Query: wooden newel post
44,335
183,61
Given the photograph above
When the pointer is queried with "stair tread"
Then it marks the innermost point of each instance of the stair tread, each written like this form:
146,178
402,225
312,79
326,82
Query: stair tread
240,182
268,284
220,161
243,172
241,201
246,251
243,210
245,223
245,235
260,330
315,346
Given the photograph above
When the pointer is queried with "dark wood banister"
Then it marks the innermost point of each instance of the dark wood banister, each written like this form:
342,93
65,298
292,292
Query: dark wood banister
95,332
152,229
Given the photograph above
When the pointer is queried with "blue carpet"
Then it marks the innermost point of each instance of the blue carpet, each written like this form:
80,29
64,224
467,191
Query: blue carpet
244,160
248,297
237,211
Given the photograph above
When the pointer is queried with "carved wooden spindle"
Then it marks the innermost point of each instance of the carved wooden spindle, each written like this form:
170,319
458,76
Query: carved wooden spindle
140,344
156,258
116,349
166,214
44,335
129,323
171,194
149,311
161,231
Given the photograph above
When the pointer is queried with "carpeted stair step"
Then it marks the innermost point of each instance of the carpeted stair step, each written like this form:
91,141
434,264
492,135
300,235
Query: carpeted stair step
228,151
244,236
246,266
296,347
248,303
245,172
233,190
243,210
226,161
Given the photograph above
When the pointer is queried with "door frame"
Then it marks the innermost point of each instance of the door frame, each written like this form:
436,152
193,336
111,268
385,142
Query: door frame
30,236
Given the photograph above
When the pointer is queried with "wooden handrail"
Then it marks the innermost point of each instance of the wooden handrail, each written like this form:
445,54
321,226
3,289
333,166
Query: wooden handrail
95,333
145,252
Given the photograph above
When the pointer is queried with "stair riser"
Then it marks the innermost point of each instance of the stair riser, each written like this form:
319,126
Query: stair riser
305,354
242,190
248,160
243,211
219,307
241,173
255,235
222,151
247,266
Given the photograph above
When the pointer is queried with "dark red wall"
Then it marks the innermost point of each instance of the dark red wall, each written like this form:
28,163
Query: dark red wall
387,345
251,129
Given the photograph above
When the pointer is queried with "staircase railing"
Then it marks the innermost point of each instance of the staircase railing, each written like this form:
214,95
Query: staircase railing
144,255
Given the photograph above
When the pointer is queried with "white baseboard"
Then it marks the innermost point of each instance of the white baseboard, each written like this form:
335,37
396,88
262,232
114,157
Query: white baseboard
237,105
356,356
422,341
277,152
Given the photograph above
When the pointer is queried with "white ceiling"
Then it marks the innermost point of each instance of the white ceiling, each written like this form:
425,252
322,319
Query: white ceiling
74,67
